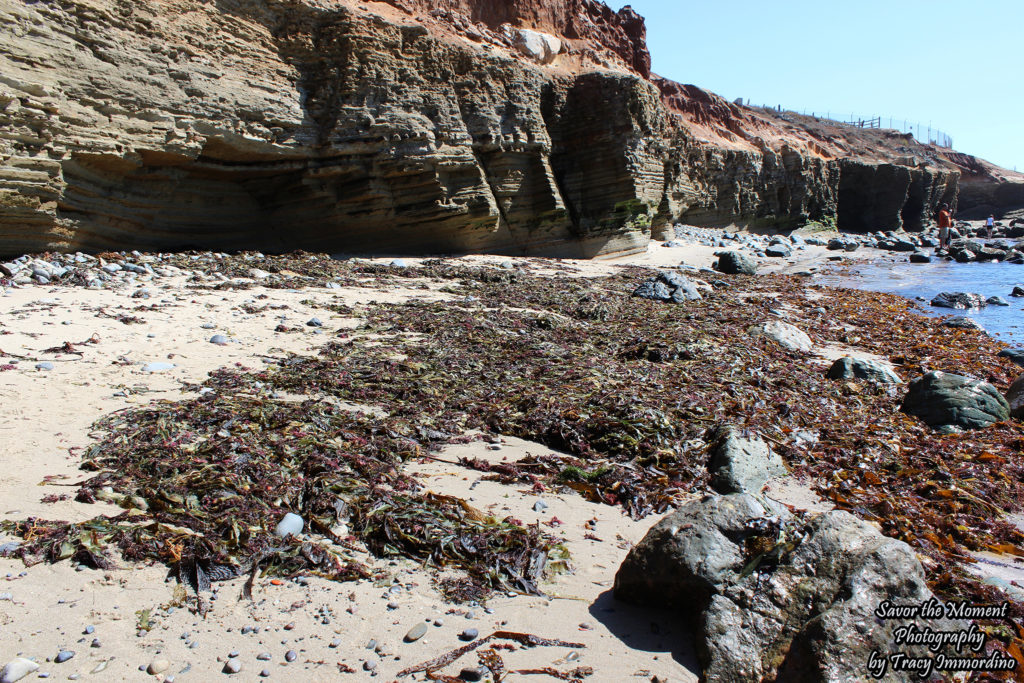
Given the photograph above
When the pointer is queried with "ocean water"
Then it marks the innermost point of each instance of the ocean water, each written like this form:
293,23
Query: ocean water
925,280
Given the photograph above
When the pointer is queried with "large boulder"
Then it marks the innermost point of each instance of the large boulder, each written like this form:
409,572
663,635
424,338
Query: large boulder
942,399
1015,398
541,47
742,464
787,335
960,300
920,257
669,286
1015,356
962,322
774,596
736,263
902,244
973,246
849,367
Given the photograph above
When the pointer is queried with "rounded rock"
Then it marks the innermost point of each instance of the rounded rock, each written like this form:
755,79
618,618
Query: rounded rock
63,656
232,666
416,632
290,525
158,666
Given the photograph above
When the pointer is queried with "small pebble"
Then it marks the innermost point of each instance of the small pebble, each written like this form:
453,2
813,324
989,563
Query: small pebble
370,665
265,673
315,322
219,339
335,643
89,629
232,666
264,656
372,644
233,654
469,634
540,506
96,642
471,673
46,365
63,656
291,656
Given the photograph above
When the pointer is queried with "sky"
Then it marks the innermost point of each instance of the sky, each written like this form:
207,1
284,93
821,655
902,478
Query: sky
958,66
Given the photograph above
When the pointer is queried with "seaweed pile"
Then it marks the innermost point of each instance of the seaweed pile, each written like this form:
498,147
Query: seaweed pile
625,389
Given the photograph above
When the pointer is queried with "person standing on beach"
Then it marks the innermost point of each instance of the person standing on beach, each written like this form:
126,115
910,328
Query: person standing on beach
945,223
989,224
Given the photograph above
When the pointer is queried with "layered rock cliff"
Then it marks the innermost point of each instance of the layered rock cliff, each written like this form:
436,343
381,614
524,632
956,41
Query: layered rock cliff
515,126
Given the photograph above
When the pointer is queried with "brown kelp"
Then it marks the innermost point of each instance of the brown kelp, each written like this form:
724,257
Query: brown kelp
624,389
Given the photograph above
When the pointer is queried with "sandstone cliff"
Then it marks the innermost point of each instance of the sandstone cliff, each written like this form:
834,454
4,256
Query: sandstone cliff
514,126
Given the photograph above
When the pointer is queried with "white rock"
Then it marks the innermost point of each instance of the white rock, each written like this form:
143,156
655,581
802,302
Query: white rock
290,525
17,669
540,47
785,334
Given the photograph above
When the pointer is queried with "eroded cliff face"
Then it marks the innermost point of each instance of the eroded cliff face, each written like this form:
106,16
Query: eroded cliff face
399,126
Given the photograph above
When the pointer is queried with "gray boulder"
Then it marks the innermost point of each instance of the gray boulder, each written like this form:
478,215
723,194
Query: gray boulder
689,555
941,399
960,300
961,322
962,255
973,246
920,257
1015,355
742,464
773,596
849,367
668,286
736,263
997,301
654,290
1017,291
990,254
778,251
1015,398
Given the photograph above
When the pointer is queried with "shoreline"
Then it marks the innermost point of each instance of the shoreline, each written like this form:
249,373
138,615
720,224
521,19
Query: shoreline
51,421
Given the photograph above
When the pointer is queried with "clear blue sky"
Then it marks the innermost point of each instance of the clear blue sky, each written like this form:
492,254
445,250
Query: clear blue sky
957,65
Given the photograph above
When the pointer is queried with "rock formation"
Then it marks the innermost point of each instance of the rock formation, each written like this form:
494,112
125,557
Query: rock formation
775,596
514,126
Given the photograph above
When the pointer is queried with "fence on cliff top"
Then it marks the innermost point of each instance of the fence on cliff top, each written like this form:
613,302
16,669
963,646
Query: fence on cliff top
932,136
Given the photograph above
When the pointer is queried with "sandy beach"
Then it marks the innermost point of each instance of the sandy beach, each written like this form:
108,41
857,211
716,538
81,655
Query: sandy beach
121,621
